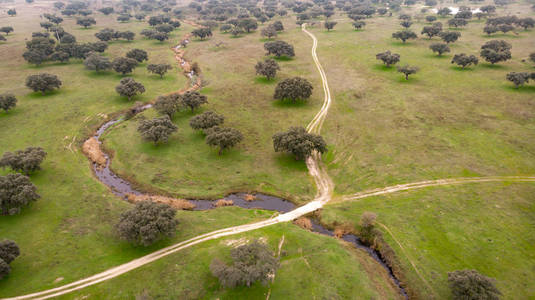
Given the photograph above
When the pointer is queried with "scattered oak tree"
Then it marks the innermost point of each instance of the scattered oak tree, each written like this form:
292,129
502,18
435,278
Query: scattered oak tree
128,87
157,130
404,35
299,143
431,31
16,191
223,137
9,250
469,284
449,36
26,161
146,223
202,33
456,22
206,120
439,48
267,68
407,70
124,65
359,24
496,51
86,21
97,62
159,69
293,89
43,82
464,60
7,101
167,105
519,78
138,54
250,263
329,25
269,32
193,99
388,58
279,48
6,29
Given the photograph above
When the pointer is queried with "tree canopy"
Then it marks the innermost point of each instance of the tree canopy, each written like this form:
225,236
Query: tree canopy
279,48
193,99
299,143
293,89
388,58
16,191
43,82
268,68
26,161
464,60
159,69
470,284
7,101
206,120
496,51
128,87
157,130
223,137
124,65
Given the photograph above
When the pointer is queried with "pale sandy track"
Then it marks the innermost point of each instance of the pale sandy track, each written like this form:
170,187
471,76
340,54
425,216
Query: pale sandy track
316,169
438,182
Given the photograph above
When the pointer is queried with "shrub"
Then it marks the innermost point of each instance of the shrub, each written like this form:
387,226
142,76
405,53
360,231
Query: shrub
16,191
469,284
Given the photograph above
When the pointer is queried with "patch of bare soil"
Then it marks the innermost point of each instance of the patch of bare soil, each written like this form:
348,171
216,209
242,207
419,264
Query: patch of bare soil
91,149
304,223
174,203
224,202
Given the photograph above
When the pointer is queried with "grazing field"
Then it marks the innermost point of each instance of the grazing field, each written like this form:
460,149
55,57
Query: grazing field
484,226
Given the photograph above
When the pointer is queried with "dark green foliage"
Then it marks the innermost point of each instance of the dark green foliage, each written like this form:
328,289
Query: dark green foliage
330,25
147,223
526,23
206,120
430,19
68,38
267,68
127,35
167,105
456,22
60,56
97,62
7,101
165,28
43,82
159,36
35,57
406,24
471,285
368,232
278,26
124,65
490,29
407,70
299,143
26,161
464,14
532,57
464,60
9,250
59,5
359,24
388,58
43,45
450,36
250,263
5,269
404,35
439,48
157,130
128,87
279,48
123,18
269,32
159,69
192,99
86,21
106,10
225,27
202,33
53,18
6,29
293,89
432,31
224,138
2,38
489,9
16,191
444,11
496,51
138,54
519,78
106,34
12,12
68,12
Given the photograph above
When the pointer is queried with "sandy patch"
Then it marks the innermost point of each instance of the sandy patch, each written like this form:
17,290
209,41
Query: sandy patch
91,148
174,203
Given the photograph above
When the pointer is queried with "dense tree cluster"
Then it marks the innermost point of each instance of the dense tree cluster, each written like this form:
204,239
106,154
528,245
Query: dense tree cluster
520,78
138,54
464,60
146,223
124,65
97,62
223,137
250,263
26,161
9,250
299,143
192,99
496,51
108,34
206,120
43,82
16,191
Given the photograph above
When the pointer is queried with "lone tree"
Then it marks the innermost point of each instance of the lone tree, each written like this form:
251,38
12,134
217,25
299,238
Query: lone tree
202,33
6,29
165,28
464,60
17,191
124,65
250,263
330,25
97,62
12,12
449,36
159,36
406,24
248,24
138,54
146,223
43,82
279,48
299,143
404,35
430,19
7,101
223,137
193,99
469,284
407,70
359,24
496,51
388,58
159,69
278,26
26,161
157,130
206,120
167,105
439,48
8,252
269,32
86,21
457,22
294,89
431,31
519,78
128,87
267,68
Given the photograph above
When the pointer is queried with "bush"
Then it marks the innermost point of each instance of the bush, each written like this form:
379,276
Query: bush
469,284
16,191
147,223
25,161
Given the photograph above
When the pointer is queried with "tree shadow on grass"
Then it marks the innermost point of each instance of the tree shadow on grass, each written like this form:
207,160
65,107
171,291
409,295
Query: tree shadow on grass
286,160
400,44
493,66
459,69
436,56
289,103
521,89
282,58
411,79
264,80
99,74
383,67
37,95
